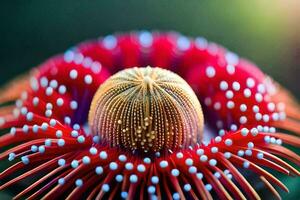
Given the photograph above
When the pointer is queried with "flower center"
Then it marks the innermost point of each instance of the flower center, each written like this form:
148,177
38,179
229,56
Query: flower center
147,110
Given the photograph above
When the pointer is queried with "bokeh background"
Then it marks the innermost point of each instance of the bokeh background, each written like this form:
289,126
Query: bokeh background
264,31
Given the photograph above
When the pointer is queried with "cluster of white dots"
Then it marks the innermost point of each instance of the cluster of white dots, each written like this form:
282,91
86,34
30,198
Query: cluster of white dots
87,62
276,110
146,39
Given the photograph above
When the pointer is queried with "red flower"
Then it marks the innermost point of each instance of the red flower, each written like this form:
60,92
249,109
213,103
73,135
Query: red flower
49,137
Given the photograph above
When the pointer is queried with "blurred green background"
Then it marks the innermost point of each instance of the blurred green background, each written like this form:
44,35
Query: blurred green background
264,31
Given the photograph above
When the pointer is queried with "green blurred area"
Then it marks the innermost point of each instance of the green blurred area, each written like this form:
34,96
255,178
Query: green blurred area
264,31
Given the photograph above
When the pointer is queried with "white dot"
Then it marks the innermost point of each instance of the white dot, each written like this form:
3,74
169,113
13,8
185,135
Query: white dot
154,179
176,196
122,158
243,107
214,149
147,160
99,170
48,113
250,82
110,42
48,142
236,86
113,166
74,163
133,178
74,133
244,132
230,69
44,82
93,151
223,85
88,79
96,67
255,109
129,166
243,120
203,158
58,133
86,160
29,117
254,131
187,187
73,105
201,43
230,105
62,89
199,175
266,118
258,97
258,116
61,181
210,72
183,43
124,195
73,74
25,128
208,187
175,172
228,142
261,88
246,164
248,152
59,102
103,155
163,164
141,168
179,155
151,189
78,58
217,106
61,142
119,178
233,127
192,170
218,139
49,91
217,174
212,162
53,84
35,101
227,155
247,93
241,153
260,155
79,182
68,56
200,152
105,188
271,107
145,39
229,94
87,61
231,58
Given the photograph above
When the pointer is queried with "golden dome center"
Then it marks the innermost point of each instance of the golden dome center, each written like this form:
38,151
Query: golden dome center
146,110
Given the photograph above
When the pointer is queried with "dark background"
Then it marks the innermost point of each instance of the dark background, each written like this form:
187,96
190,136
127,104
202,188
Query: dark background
264,31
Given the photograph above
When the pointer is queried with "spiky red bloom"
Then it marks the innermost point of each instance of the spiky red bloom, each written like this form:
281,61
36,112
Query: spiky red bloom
49,137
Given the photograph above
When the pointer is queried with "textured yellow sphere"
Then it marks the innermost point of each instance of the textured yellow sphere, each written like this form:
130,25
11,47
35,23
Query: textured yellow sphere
147,110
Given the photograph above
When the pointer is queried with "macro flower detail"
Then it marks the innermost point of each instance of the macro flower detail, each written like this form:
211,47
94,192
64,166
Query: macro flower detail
97,123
